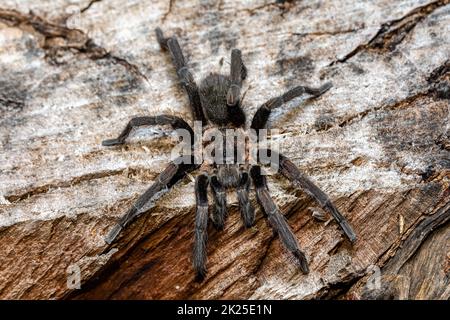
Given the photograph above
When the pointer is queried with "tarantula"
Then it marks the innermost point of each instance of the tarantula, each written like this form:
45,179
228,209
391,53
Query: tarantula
217,102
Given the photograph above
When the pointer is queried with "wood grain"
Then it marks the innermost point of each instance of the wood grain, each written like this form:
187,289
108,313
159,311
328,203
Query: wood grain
74,72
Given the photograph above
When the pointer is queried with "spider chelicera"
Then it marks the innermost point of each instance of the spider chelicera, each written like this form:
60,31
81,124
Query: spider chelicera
217,102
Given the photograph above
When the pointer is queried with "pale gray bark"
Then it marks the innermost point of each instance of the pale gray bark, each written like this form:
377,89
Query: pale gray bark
377,143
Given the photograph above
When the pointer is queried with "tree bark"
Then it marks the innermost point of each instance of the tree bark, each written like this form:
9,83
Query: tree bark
378,142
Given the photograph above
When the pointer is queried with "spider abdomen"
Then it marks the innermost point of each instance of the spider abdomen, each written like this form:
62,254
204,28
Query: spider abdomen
228,175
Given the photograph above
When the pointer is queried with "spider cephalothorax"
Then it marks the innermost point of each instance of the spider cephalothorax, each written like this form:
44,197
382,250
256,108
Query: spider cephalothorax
216,102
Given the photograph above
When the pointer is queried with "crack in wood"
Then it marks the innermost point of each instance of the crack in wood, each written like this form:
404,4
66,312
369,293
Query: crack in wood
439,72
394,283
345,121
433,78
89,5
391,33
416,238
399,253
74,39
169,11
443,141
326,32
14,198
402,104
440,81
10,103
261,261
127,248
332,290
280,4
386,256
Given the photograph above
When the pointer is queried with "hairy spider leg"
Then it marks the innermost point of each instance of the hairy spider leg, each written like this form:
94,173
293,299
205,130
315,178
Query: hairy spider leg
185,76
175,122
261,116
245,206
201,225
300,180
220,203
238,72
276,219
171,175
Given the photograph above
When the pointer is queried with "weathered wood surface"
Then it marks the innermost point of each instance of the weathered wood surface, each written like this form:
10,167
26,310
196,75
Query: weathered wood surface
378,142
